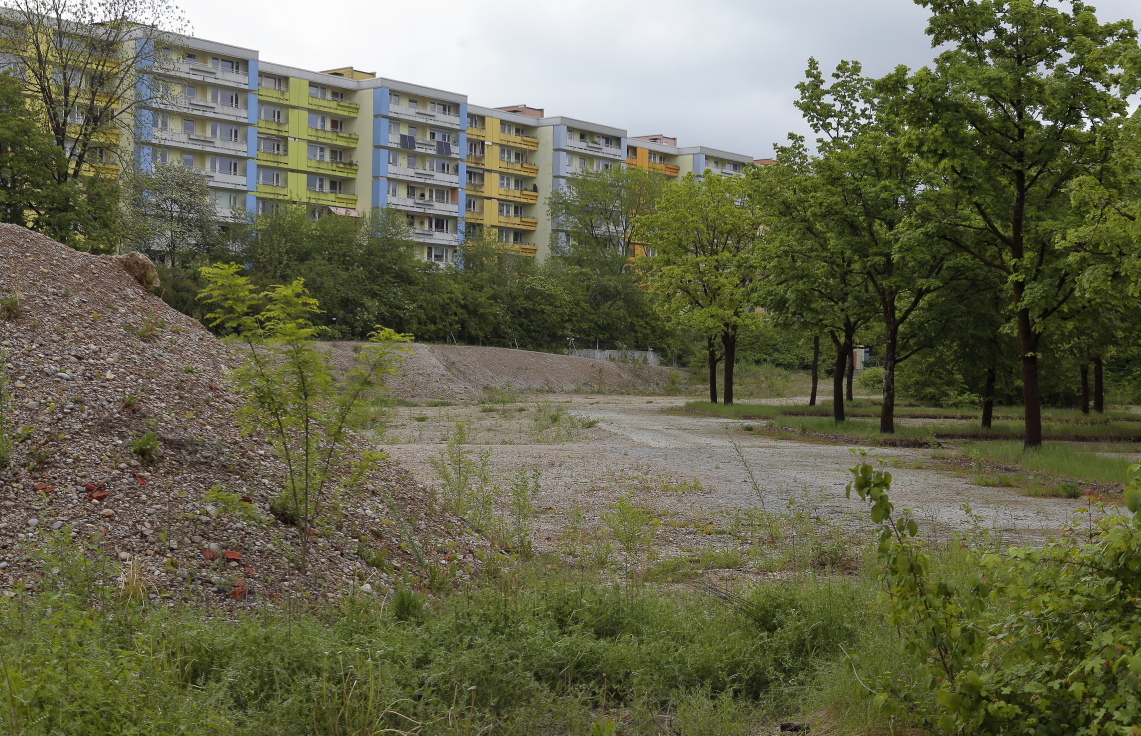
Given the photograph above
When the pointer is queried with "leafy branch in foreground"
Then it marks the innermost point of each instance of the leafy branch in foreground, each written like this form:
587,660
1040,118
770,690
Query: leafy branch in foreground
291,395
1042,640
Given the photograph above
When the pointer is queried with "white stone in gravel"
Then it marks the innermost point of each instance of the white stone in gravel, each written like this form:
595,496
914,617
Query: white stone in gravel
33,522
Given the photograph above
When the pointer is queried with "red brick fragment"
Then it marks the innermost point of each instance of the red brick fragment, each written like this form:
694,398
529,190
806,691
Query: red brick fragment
248,569
98,495
231,556
142,481
41,486
238,593
209,554
247,499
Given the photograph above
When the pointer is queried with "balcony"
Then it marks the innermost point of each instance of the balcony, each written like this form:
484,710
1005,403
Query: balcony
476,217
476,188
523,223
348,168
517,168
595,149
332,136
270,126
423,145
423,175
208,73
433,237
269,94
424,115
425,205
520,141
338,199
198,141
224,181
519,195
341,107
276,159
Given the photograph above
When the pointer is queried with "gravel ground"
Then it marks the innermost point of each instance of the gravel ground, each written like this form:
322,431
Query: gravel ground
94,361
687,469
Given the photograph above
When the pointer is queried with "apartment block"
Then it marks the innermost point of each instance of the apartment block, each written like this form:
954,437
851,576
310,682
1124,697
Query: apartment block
345,141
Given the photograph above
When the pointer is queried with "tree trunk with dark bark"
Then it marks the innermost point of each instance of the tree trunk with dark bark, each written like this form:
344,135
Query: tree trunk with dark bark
1098,386
1085,388
849,374
815,369
843,357
988,398
711,347
1031,400
887,411
729,343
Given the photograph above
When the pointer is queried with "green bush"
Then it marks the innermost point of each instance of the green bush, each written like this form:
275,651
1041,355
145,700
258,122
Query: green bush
1041,641
871,379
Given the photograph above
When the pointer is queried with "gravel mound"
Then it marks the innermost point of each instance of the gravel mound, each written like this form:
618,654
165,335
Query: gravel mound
456,372
94,359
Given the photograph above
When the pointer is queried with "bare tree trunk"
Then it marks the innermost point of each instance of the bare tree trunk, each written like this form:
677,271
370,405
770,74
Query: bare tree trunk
729,343
988,398
1031,401
815,369
1098,386
850,373
887,411
1085,388
843,356
711,347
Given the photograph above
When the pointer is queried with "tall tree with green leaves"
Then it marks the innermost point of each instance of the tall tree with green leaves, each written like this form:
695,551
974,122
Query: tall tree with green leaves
1026,99
169,213
705,266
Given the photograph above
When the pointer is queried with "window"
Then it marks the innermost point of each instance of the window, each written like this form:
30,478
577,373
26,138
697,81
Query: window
161,121
632,152
471,204
410,192
224,165
226,65
225,98
437,254
226,200
189,91
411,161
440,167
506,209
413,102
504,181
315,183
476,121
475,177
165,89
440,135
475,148
505,128
582,163
393,158
321,93
271,114
607,141
188,160
394,100
335,155
187,125
440,108
266,207
274,83
336,186
439,225
337,126
392,188
318,122
317,153
336,94
735,167
224,132
274,146
190,58
438,195
270,177
160,156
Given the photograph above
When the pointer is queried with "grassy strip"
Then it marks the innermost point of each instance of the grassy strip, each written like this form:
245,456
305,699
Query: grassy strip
532,651
1056,460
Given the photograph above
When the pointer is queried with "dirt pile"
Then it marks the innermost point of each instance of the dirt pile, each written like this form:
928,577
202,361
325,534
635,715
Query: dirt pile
94,361
465,372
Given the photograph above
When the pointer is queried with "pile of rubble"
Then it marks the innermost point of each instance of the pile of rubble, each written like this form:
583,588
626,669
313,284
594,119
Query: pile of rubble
94,361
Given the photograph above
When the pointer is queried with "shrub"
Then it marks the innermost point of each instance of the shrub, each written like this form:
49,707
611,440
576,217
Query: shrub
871,379
146,447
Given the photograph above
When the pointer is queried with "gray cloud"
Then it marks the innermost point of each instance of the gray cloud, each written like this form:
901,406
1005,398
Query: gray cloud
718,73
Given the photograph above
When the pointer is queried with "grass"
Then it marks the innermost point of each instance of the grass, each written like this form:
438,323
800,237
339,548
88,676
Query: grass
1070,461
530,650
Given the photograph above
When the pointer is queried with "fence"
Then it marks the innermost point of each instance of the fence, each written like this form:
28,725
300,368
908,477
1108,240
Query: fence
648,357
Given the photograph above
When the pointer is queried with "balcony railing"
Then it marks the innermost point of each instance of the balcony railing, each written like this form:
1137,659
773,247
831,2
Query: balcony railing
435,177
197,140
524,168
596,149
324,103
212,73
476,188
529,142
224,179
529,223
435,237
426,205
424,114
523,195
323,165
332,136
424,145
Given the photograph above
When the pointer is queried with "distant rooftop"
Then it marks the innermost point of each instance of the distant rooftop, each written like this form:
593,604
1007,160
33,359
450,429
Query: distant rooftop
531,112
664,140
349,73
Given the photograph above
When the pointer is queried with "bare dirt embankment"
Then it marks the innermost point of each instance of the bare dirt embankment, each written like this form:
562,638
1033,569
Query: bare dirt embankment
459,372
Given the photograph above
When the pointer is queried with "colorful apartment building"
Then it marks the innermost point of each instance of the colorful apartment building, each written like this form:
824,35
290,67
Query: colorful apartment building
345,141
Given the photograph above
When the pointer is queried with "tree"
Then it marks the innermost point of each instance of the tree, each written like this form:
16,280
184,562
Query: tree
30,192
867,183
169,213
89,67
705,266
1025,100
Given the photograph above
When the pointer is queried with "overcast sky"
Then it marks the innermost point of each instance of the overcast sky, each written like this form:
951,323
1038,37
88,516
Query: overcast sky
718,73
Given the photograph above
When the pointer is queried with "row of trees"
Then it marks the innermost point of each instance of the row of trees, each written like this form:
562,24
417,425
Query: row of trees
990,201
